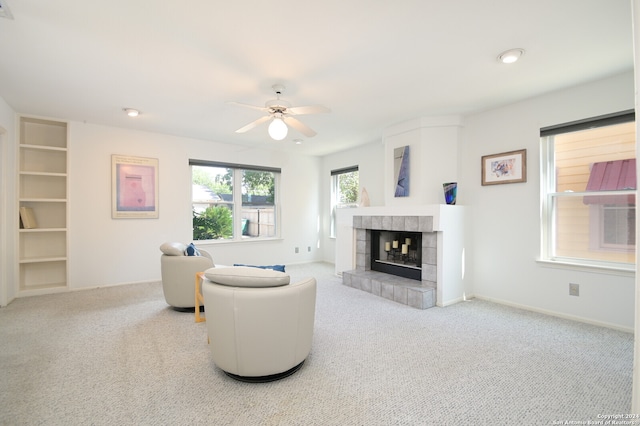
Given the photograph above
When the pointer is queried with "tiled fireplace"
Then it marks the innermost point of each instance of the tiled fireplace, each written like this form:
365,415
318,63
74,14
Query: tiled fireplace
396,258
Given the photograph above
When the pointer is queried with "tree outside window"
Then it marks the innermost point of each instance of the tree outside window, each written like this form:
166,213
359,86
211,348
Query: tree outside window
345,187
219,214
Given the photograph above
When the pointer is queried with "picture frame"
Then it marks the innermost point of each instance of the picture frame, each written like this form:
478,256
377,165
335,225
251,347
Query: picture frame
505,167
134,183
401,168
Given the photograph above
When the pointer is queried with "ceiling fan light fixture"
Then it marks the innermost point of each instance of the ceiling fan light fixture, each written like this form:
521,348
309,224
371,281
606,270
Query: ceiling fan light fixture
510,56
277,129
281,115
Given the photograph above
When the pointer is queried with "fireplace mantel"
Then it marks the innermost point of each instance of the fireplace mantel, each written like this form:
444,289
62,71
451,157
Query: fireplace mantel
447,222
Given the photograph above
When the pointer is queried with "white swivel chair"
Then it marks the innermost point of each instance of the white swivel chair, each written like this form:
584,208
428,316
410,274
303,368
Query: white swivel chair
260,326
178,275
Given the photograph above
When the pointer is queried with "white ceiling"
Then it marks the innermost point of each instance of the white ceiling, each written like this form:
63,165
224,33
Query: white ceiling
374,63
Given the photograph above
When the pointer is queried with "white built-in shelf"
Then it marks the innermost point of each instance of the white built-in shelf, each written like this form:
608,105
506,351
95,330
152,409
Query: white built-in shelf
43,200
43,147
47,174
43,259
35,230
43,188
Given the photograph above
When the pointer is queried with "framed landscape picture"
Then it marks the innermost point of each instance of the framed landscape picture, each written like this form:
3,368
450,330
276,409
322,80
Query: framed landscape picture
134,182
506,167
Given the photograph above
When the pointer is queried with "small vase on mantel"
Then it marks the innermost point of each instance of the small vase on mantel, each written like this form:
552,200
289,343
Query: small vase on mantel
450,192
364,198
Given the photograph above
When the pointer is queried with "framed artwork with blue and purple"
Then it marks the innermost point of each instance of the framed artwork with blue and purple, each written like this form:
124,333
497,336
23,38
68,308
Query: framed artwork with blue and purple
506,167
401,171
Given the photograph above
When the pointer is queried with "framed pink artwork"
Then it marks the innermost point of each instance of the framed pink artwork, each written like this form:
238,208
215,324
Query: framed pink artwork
134,182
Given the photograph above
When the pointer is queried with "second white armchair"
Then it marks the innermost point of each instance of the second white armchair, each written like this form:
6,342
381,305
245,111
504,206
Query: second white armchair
178,274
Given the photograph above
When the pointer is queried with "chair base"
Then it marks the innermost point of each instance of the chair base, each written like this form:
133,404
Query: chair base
193,309
265,379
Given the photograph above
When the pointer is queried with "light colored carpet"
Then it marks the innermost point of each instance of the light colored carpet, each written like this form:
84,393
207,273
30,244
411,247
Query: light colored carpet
121,356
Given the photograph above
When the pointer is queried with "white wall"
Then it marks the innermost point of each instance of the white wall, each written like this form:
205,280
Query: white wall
504,220
8,206
433,158
105,251
370,161
635,397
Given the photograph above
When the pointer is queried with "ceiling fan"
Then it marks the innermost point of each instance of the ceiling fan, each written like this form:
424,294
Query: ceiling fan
281,114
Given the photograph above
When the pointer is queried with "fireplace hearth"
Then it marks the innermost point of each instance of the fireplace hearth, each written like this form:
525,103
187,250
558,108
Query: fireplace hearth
396,258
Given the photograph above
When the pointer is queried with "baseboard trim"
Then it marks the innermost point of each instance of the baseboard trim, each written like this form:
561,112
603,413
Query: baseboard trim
54,290
452,302
556,314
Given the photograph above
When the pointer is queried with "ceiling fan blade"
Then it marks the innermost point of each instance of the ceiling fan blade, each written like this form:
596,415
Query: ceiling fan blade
299,126
240,104
310,109
254,124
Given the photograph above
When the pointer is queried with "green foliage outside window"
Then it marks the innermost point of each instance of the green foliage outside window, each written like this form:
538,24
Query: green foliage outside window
219,184
254,182
259,183
228,203
348,187
214,223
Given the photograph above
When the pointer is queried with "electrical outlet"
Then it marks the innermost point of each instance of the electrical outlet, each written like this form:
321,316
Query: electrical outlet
297,249
574,289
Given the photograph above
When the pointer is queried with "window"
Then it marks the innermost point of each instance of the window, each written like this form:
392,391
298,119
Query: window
588,192
345,187
233,202
618,230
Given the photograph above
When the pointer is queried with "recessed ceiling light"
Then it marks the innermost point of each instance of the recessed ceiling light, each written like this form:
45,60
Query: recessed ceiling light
131,112
510,56
298,141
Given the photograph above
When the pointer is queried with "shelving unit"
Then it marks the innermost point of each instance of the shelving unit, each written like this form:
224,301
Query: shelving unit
43,187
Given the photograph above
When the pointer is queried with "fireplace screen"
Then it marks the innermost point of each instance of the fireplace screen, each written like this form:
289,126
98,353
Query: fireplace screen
397,253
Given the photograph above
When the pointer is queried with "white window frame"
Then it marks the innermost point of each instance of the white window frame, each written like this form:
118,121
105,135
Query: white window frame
335,204
598,228
237,199
548,194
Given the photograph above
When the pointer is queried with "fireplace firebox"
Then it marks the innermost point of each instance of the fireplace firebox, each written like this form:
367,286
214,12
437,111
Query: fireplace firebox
397,253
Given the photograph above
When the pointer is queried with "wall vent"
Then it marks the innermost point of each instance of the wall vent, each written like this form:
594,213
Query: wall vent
4,10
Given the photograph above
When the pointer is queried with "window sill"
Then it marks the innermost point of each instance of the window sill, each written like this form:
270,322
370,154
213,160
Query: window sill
626,271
